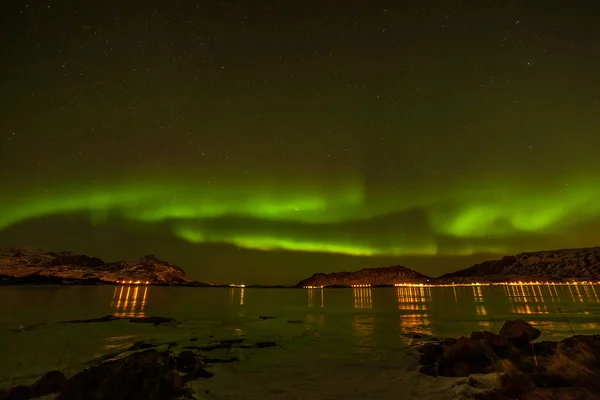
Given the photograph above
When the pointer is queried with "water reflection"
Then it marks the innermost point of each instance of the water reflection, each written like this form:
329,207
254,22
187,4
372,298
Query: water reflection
129,301
236,295
480,308
364,328
538,299
316,297
415,300
363,297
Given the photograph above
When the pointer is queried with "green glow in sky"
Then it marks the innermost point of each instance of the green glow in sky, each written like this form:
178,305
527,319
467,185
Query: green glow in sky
326,218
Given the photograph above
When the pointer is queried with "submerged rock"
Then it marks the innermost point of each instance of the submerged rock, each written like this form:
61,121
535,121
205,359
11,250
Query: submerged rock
153,320
191,363
51,382
145,375
261,345
140,320
141,345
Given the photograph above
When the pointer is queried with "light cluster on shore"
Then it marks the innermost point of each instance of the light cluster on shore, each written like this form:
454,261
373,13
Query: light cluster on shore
472,284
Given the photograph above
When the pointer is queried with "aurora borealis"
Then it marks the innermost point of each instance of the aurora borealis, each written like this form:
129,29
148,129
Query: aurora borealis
266,141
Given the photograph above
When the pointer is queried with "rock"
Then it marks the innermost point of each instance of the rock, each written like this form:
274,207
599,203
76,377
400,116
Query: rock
220,360
19,392
417,336
231,341
519,332
141,345
575,345
153,320
261,345
461,368
106,318
147,375
51,382
450,341
512,353
186,361
193,339
577,360
545,348
430,353
493,339
191,363
429,369
468,356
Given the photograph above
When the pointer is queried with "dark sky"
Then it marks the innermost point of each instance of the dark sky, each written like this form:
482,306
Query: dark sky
262,141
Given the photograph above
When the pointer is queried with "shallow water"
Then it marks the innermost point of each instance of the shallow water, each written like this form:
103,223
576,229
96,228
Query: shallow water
350,343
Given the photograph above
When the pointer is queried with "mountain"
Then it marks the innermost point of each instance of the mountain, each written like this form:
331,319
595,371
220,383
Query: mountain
554,265
34,266
367,276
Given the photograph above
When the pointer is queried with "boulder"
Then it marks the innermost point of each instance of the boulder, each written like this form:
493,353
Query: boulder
51,382
186,361
147,375
429,369
468,356
191,363
577,361
430,353
519,332
545,348
578,344
493,339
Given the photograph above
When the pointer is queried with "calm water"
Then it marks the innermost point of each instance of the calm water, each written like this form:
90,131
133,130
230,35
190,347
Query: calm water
347,332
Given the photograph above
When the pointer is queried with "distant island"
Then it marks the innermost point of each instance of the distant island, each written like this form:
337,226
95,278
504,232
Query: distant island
20,266
541,266
368,276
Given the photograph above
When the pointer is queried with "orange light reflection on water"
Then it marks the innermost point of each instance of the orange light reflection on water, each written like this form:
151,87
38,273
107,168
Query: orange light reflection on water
316,298
130,302
362,297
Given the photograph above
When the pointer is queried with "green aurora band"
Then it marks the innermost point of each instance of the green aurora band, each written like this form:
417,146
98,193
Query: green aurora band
329,218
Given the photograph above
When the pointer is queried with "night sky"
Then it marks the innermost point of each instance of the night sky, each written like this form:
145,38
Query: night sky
263,141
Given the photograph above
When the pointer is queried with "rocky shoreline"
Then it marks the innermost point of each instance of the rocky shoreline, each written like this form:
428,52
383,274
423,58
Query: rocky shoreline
144,371
568,369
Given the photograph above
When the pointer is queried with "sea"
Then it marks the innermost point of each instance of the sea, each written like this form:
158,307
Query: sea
354,343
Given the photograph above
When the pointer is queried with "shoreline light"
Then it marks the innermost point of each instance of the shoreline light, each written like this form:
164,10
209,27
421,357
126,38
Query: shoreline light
474,284
133,283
